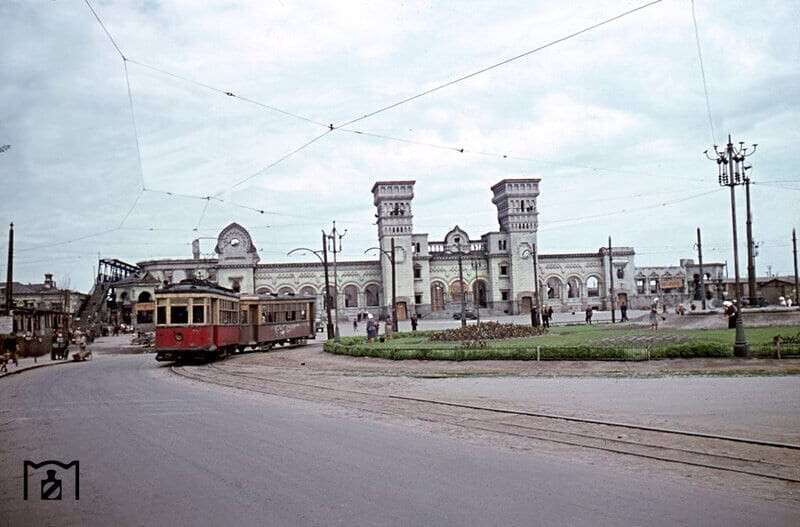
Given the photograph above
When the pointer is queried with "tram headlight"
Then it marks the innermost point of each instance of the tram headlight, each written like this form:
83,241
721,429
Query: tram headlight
178,337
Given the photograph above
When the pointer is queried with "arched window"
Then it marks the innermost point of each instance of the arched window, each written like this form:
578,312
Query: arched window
553,288
479,293
372,295
457,291
286,290
144,296
350,296
308,291
592,286
573,288
263,291
437,296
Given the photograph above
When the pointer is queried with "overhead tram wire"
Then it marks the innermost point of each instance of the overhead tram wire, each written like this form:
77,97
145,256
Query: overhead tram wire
498,64
133,121
703,75
97,17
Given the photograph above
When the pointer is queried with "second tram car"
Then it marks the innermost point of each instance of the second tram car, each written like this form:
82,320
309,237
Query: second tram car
196,319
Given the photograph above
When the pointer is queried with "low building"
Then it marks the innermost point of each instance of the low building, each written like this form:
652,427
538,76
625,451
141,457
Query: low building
43,296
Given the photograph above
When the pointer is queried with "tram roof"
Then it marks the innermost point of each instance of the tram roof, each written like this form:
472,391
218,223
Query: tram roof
194,285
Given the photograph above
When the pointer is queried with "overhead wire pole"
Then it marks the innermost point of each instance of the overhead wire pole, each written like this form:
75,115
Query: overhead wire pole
731,171
752,286
796,284
702,273
611,281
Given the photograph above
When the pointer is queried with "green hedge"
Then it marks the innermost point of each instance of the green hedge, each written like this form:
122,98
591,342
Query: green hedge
358,347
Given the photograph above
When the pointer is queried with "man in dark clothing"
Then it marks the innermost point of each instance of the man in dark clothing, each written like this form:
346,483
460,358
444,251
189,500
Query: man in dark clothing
623,309
413,322
589,315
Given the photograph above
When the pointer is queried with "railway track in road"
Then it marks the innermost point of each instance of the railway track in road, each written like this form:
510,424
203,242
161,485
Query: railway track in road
754,457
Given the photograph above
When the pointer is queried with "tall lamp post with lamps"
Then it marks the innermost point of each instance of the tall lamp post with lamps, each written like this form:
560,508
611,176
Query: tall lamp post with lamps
730,173
391,256
459,248
336,246
531,252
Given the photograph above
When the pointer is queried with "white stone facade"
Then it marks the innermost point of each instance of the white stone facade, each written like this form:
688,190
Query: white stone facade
497,268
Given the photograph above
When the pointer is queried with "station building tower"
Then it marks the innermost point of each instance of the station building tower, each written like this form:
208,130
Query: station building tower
517,214
395,222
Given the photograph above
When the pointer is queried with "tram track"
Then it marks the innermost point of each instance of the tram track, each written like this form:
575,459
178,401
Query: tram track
754,457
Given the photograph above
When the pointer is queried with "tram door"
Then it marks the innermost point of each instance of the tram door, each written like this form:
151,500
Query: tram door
255,321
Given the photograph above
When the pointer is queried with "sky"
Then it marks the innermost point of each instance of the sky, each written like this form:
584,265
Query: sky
614,121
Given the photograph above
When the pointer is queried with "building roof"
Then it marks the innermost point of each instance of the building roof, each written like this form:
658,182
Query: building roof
393,182
18,288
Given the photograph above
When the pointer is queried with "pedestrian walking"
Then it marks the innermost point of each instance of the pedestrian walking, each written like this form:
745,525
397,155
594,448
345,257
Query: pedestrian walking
372,328
387,327
414,322
355,325
654,314
589,314
623,309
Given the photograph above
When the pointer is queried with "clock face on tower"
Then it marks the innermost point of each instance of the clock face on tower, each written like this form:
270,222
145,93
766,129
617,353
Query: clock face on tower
235,240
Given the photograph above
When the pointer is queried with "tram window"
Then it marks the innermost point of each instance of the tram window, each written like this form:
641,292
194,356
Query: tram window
161,315
291,316
198,314
178,315
243,316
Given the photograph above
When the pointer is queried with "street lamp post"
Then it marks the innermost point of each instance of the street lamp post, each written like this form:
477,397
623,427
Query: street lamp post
334,236
532,253
391,256
324,260
458,249
731,172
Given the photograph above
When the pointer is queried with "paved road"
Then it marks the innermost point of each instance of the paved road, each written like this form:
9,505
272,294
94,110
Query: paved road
159,450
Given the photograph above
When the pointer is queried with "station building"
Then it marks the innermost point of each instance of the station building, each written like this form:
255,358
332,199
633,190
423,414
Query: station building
497,267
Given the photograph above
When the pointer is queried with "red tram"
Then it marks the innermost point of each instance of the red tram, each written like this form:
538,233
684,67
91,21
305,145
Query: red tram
197,319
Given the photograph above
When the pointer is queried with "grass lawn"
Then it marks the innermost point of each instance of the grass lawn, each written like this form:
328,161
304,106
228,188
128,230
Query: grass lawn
572,342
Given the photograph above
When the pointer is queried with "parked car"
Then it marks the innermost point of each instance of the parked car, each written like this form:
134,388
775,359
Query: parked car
469,315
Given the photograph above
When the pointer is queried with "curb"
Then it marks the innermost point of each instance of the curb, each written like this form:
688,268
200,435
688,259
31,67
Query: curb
35,366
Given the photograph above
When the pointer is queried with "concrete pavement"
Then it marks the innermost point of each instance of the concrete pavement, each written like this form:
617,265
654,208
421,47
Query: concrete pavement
155,449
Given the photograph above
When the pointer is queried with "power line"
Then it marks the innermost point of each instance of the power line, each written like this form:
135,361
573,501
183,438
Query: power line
276,162
498,64
229,93
703,75
106,30
133,121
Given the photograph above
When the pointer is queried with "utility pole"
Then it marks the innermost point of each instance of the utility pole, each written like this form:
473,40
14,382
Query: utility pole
796,286
702,273
475,296
752,292
329,325
394,291
731,172
537,291
10,270
611,281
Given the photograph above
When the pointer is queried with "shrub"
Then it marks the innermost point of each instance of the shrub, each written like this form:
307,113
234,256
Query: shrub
485,331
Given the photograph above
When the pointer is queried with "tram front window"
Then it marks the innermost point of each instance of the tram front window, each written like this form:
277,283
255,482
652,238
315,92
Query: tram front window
178,315
161,315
